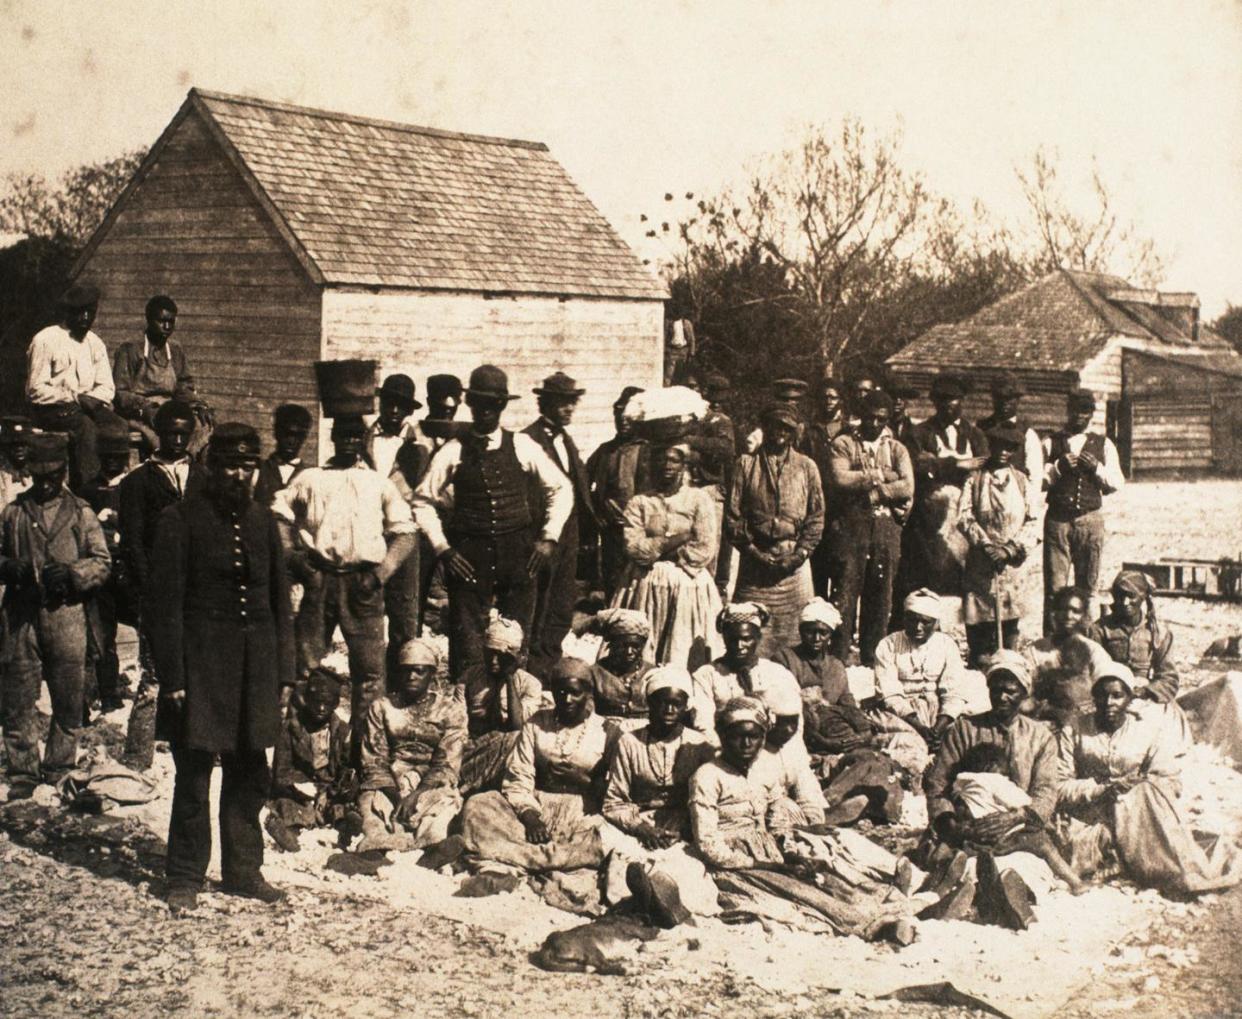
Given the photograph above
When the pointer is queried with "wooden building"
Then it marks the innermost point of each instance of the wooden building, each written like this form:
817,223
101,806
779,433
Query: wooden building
1160,377
288,235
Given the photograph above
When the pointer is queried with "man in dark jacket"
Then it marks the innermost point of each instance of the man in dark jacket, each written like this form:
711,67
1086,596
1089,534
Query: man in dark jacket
52,557
558,587
221,630
945,449
291,424
146,492
828,422
616,472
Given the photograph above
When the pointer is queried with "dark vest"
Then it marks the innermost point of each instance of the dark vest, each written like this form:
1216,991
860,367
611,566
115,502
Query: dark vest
1075,492
490,491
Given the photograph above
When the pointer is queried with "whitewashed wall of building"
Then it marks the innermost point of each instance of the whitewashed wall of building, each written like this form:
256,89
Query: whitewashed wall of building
604,344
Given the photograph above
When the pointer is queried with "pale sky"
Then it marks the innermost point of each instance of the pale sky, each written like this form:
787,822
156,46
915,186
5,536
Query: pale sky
641,98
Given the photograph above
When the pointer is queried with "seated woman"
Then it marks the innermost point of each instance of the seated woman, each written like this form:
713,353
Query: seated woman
731,803
500,698
546,815
787,767
1122,799
411,753
671,539
739,672
312,782
619,676
918,679
809,660
1064,664
1132,635
1032,764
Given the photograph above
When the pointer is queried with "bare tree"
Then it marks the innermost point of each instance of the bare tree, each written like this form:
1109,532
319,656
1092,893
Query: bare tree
1094,238
839,219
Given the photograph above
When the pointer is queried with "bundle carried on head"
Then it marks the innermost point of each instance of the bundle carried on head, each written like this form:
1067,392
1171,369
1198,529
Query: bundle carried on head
665,415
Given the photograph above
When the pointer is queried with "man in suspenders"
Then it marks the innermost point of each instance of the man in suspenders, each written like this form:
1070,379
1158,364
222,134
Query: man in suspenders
1081,467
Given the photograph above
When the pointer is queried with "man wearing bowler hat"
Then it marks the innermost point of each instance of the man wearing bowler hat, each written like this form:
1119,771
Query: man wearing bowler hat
69,381
443,399
216,609
53,555
557,399
396,453
491,540
1082,467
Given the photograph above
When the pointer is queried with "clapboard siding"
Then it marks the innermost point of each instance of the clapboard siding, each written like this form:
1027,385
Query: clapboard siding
1043,406
603,344
1171,434
248,316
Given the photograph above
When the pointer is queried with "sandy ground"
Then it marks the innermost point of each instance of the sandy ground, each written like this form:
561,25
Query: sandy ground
84,932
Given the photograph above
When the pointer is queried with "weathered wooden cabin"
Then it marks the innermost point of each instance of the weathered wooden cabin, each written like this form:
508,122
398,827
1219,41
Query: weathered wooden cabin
289,235
1167,387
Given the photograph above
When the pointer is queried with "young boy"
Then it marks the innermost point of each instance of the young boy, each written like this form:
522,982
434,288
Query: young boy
313,785
290,426
983,788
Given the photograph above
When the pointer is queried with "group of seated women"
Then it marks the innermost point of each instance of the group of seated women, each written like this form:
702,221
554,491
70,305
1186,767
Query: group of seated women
730,790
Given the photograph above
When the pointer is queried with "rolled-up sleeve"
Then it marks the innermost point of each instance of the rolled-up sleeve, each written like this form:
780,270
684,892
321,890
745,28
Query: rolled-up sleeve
434,495
558,491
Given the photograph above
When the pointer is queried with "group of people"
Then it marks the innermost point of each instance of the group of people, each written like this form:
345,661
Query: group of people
711,757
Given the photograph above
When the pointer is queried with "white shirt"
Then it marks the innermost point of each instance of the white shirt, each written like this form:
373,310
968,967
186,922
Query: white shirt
434,494
343,514
177,471
286,470
383,448
59,369
1108,473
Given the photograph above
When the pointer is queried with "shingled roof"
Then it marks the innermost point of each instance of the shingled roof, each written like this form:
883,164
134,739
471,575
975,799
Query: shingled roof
1057,323
375,203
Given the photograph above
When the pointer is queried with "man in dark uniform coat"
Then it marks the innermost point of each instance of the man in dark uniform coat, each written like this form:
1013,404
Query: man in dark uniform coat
221,630
558,586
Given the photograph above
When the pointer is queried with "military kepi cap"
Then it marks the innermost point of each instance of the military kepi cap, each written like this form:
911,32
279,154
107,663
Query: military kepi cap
948,387
49,452
1081,399
234,442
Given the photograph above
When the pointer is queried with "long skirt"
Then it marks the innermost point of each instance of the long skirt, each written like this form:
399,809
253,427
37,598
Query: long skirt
682,609
492,831
784,597
1151,839
483,764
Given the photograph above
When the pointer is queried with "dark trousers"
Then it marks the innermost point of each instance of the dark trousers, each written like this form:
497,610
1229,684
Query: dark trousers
140,730
554,606
106,663
42,645
83,431
981,639
1072,547
403,606
825,567
330,600
501,582
612,559
867,549
243,791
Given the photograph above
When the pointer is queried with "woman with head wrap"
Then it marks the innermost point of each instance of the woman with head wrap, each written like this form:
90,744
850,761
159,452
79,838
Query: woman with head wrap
810,661
413,739
732,801
918,676
619,677
671,540
995,516
1122,798
546,815
775,519
1131,634
740,671
500,698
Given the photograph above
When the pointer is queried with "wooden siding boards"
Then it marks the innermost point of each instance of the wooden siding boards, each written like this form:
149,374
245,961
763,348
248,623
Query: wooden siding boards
247,315
605,345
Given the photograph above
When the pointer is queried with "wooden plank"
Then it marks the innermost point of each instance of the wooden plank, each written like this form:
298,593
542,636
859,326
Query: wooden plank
208,262
171,278
187,244
295,298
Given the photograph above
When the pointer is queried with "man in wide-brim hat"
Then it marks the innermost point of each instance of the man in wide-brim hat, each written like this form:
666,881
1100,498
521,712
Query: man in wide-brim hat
558,397
474,504
53,555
